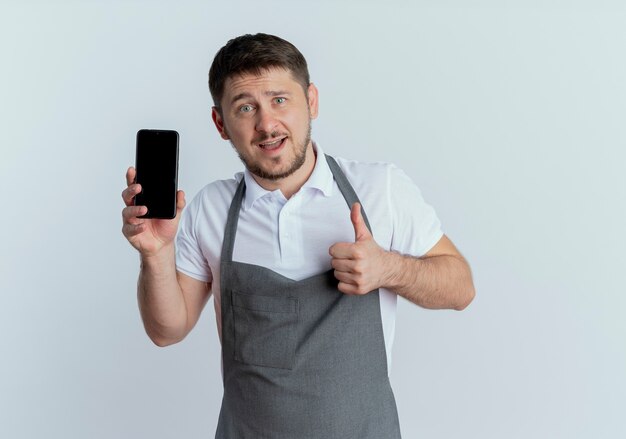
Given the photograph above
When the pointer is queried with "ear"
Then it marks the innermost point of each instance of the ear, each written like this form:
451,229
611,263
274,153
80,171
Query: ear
219,123
313,100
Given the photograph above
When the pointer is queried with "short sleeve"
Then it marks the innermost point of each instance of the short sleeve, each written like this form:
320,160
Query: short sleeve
416,227
189,257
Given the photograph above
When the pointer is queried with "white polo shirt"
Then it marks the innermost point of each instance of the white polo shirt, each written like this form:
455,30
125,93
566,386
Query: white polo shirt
292,237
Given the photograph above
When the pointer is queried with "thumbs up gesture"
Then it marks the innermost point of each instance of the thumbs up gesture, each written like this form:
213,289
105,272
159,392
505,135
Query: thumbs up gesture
361,266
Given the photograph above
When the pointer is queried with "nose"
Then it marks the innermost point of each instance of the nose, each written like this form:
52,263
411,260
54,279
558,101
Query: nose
266,122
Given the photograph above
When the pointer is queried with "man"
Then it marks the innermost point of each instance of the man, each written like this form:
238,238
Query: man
305,255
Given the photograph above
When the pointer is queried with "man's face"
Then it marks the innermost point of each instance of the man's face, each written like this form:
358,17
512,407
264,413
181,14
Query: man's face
267,119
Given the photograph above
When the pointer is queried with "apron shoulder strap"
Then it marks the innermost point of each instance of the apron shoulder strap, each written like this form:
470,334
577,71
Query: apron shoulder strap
346,188
231,222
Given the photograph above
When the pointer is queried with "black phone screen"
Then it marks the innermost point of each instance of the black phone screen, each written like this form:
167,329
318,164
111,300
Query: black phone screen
157,172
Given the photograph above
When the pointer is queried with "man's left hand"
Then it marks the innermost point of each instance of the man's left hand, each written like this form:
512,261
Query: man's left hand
361,266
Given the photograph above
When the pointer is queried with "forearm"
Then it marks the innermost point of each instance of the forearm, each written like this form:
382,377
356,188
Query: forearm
437,282
160,298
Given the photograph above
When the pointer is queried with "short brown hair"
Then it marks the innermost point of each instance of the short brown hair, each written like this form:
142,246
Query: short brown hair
255,54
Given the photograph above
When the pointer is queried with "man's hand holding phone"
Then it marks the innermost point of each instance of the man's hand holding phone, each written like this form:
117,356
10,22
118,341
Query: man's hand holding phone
150,222
147,235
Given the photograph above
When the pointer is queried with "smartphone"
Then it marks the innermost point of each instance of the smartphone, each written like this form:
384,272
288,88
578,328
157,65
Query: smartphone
156,162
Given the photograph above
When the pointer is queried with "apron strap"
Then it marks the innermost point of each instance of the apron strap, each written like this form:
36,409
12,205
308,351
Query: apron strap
231,222
346,188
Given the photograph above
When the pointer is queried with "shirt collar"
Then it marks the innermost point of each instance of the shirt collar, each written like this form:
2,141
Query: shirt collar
321,179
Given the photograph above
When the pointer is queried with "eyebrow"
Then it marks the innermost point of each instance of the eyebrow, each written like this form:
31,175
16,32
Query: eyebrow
271,93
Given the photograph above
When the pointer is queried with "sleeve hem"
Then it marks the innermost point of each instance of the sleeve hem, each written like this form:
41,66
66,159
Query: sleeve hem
200,277
432,242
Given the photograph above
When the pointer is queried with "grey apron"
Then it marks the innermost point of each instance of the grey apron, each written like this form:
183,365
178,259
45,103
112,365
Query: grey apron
301,360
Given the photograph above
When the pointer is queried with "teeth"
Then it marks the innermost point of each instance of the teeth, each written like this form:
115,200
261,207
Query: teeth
270,145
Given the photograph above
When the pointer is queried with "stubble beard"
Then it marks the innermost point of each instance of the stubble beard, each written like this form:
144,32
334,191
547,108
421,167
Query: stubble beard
296,163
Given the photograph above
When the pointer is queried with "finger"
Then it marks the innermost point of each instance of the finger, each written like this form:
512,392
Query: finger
129,193
344,265
180,202
342,276
352,288
361,232
130,176
351,267
347,288
130,230
342,250
130,214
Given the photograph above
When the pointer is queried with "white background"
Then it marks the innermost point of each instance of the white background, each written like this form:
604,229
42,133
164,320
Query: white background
508,115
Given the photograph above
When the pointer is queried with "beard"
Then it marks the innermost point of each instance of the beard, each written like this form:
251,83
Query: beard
296,163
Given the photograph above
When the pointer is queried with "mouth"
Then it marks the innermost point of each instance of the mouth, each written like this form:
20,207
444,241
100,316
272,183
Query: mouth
272,145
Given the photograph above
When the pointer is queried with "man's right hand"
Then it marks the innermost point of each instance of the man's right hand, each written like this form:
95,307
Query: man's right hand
147,235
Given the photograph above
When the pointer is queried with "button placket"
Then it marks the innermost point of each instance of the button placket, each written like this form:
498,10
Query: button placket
288,231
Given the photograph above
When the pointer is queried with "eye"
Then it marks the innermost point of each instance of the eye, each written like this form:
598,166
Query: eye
280,100
246,108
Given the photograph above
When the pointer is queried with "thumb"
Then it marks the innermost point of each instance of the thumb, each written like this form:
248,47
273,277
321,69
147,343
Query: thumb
361,232
180,202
